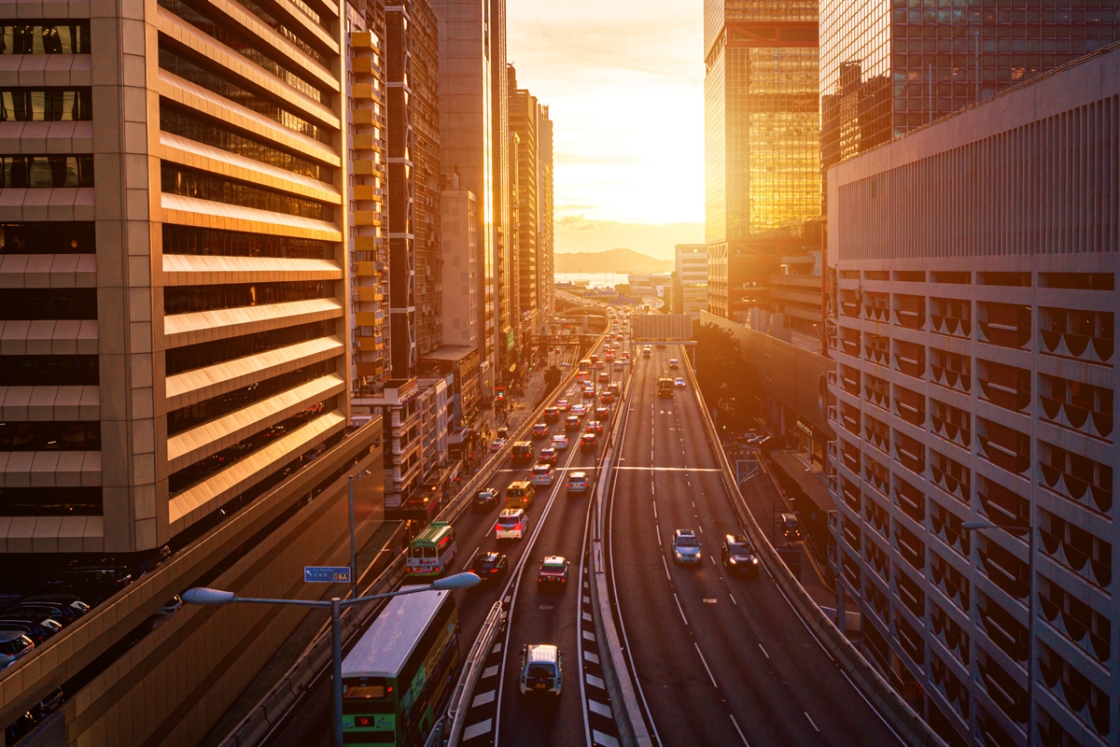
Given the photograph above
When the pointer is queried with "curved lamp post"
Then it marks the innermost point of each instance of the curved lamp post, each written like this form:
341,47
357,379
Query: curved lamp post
205,596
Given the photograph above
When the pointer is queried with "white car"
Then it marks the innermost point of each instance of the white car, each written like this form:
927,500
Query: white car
679,383
686,546
542,474
541,670
513,523
577,482
579,410
560,442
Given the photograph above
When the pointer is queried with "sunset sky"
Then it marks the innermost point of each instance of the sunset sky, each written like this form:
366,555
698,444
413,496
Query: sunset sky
623,80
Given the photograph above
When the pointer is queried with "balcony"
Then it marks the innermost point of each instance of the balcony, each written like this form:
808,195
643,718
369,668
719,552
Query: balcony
951,317
877,476
910,453
849,380
877,391
850,341
877,517
910,359
850,494
876,307
1076,621
950,687
878,561
1004,569
1087,555
849,454
1077,478
910,640
910,311
1004,447
951,582
849,303
946,526
911,595
851,535
951,370
876,349
849,418
913,551
910,406
950,632
1002,688
1082,335
1005,325
1090,704
1002,506
876,433
1076,406
910,499
950,476
1005,386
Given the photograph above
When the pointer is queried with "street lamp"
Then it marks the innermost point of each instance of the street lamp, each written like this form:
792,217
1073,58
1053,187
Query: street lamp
353,558
204,596
1026,529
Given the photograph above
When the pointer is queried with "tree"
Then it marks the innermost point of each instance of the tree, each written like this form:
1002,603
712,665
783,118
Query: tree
725,379
552,377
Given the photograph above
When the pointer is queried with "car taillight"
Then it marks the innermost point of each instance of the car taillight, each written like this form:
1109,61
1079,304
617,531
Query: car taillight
436,569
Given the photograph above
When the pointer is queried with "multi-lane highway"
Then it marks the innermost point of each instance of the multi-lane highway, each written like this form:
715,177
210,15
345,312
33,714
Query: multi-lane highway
557,522
720,660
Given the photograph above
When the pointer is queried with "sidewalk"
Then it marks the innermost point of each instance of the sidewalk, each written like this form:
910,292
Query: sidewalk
809,481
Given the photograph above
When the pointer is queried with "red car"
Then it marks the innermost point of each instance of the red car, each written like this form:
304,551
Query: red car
563,406
540,430
547,456
595,427
606,398
553,573
602,414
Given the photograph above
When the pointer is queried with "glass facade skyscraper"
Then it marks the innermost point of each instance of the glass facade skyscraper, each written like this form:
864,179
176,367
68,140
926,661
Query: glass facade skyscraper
762,147
890,66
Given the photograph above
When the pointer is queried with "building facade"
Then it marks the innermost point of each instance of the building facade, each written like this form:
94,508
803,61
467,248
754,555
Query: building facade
887,70
690,286
415,284
523,121
975,380
546,237
761,140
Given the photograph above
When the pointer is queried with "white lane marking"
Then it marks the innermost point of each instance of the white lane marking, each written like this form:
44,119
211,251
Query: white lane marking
477,730
741,735
595,681
700,527
600,708
590,656
483,699
471,557
489,671
588,636
679,608
653,489
666,569
606,740
671,469
705,663
811,722
657,530
587,617
762,649
651,455
733,600
497,648
655,509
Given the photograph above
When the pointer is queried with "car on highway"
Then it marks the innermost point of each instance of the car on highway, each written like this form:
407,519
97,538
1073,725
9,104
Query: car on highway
791,527
604,377
606,398
647,351
541,670
674,363
539,430
679,383
615,389
602,414
598,365
542,474
548,455
578,482
560,442
738,555
14,645
595,426
572,423
553,572
588,442
490,565
579,410
686,546
486,499
551,414
520,494
513,523
589,391
563,406
497,444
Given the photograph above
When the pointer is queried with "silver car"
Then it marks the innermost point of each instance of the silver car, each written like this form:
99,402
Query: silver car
686,546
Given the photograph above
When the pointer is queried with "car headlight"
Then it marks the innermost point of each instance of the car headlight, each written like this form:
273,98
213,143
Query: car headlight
677,553
733,561
754,561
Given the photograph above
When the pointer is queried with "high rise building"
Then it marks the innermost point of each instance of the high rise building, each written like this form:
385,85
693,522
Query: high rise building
690,286
415,290
523,121
886,70
975,465
174,357
505,286
546,240
467,54
762,148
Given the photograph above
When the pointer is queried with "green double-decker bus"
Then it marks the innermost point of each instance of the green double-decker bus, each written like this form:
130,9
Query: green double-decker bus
398,677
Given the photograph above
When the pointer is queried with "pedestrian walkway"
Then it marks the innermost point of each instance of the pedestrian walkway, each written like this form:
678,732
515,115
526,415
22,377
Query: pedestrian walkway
809,481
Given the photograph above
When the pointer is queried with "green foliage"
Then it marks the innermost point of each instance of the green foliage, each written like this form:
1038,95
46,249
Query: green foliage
552,377
727,380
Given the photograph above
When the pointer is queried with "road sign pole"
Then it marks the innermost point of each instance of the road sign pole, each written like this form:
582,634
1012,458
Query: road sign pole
336,651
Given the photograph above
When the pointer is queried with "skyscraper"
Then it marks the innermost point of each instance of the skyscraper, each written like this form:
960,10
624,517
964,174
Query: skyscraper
546,241
761,144
523,121
887,70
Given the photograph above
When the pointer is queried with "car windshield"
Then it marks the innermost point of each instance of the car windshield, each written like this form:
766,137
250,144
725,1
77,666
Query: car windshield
739,548
687,542
509,521
541,468
540,670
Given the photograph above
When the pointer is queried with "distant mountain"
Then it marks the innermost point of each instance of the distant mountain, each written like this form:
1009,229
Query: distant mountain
612,260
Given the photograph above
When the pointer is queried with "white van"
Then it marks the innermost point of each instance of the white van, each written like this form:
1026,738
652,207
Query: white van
542,669
513,523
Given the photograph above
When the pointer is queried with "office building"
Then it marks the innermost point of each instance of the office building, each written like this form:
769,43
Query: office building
523,121
466,126
412,82
505,237
762,145
546,239
690,286
174,358
886,70
975,379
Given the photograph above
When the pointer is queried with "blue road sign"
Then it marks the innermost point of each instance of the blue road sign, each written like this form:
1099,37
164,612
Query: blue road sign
326,574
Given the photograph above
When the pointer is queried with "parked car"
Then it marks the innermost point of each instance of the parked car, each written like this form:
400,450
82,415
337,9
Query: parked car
93,582
32,718
63,614
14,645
686,546
37,626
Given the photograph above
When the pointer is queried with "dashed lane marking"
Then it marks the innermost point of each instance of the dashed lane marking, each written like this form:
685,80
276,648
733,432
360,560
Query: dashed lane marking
591,657
489,671
604,740
741,735
680,609
759,645
477,730
664,563
811,722
596,681
600,708
587,617
483,698
588,635
709,671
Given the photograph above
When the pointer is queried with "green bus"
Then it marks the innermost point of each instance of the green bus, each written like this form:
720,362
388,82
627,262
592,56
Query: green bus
397,679
431,553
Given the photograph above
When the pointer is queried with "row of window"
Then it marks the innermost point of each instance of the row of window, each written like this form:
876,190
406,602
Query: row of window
48,303
44,37
215,243
195,127
46,104
215,407
50,502
188,70
186,299
191,357
180,181
49,370
191,475
57,435
46,171
61,237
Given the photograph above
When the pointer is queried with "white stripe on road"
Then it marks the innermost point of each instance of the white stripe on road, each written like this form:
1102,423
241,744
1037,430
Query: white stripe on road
667,469
477,730
595,681
709,671
680,609
764,651
483,699
489,671
741,735
600,708
591,657
811,722
666,568
606,740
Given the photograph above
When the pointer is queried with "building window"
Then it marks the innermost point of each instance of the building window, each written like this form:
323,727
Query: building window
45,104
190,298
63,237
48,303
50,501
189,476
58,435
49,370
202,186
45,171
204,354
215,407
45,37
215,243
